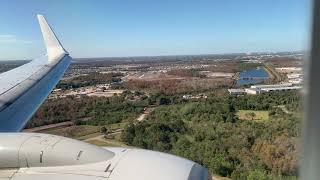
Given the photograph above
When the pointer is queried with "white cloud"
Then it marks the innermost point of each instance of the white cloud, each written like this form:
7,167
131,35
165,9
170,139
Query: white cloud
12,39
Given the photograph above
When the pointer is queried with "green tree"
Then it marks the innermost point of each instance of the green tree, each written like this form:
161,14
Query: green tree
104,130
257,175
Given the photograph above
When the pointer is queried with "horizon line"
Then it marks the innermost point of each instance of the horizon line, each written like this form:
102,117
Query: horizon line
202,54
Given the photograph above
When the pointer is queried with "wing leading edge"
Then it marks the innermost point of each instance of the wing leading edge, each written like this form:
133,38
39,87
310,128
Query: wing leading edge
23,89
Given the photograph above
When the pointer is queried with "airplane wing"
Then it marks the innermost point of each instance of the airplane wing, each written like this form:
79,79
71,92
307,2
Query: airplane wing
35,156
23,89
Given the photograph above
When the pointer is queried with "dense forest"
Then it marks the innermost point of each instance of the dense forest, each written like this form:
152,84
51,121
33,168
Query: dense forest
210,133
207,131
87,110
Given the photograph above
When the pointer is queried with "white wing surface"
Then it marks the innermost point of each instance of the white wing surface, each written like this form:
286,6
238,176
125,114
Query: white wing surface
23,89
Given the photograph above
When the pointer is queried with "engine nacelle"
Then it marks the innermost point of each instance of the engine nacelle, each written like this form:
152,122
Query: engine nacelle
18,150
40,156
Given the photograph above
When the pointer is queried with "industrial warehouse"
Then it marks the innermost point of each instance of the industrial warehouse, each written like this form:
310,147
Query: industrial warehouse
259,89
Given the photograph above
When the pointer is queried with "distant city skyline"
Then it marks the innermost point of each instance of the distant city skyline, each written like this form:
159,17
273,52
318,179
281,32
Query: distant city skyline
155,28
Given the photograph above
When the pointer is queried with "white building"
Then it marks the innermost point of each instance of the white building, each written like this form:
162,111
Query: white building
281,88
258,89
272,86
253,91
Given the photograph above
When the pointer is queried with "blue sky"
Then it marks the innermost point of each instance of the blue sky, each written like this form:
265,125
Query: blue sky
107,28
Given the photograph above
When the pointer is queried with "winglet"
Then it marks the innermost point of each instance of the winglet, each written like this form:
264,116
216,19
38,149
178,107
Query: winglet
53,45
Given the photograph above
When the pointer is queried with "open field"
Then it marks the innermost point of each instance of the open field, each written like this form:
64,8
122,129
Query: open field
50,126
116,126
101,141
89,134
73,131
150,76
253,115
106,93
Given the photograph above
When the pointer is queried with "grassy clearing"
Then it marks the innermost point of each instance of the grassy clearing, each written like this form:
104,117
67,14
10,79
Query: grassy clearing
74,131
89,134
101,143
106,142
83,131
253,115
116,126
